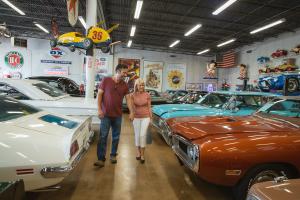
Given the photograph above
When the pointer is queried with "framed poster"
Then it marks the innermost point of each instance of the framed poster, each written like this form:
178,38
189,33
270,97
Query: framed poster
176,76
153,74
133,72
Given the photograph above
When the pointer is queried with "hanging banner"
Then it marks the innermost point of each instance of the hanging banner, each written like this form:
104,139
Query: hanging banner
176,76
153,74
72,6
133,72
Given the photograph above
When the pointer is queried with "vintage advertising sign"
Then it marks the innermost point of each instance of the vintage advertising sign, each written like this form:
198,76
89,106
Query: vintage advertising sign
56,52
72,6
153,72
176,76
57,70
14,60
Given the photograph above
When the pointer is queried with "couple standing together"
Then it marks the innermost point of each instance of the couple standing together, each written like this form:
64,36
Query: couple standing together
111,92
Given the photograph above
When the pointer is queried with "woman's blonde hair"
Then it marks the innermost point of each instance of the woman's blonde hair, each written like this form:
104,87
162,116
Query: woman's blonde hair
137,83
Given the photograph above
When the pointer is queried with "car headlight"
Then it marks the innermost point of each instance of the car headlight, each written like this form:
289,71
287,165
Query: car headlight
193,152
251,197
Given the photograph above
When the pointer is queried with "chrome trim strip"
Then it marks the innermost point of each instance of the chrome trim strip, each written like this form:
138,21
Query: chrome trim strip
63,171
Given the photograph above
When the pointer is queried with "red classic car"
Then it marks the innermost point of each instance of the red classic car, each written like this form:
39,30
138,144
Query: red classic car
279,53
241,151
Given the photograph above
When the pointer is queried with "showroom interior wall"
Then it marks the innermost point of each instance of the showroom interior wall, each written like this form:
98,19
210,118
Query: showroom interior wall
285,41
196,65
39,61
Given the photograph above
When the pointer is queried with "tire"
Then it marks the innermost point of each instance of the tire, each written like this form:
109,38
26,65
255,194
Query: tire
259,174
105,49
53,43
87,43
292,85
72,48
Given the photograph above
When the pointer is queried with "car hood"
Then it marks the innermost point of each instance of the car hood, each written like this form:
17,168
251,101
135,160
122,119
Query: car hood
193,129
169,108
34,123
283,190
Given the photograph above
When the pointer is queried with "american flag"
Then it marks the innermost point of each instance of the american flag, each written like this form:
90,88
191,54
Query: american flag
227,59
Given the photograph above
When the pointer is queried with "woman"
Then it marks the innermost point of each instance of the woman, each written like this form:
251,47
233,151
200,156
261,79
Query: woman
141,104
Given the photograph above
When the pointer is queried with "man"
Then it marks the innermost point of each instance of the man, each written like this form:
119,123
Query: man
110,96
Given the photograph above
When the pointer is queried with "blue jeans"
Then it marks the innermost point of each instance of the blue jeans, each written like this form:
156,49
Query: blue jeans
106,123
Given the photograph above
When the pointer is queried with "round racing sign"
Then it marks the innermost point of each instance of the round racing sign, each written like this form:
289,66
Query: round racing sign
14,59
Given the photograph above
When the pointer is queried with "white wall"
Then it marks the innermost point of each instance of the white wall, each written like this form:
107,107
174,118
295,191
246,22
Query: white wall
285,41
196,65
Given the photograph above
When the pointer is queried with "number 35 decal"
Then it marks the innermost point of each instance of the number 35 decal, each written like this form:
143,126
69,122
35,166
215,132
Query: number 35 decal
97,35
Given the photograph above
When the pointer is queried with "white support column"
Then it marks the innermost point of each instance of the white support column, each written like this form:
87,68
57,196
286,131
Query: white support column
91,20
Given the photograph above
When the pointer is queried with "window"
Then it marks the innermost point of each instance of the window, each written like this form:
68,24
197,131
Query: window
51,91
286,108
12,109
6,90
214,100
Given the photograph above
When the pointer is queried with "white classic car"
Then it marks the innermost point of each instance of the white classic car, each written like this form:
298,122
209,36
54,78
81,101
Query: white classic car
39,147
46,97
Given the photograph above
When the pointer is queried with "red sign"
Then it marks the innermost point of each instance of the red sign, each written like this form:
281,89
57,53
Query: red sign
14,59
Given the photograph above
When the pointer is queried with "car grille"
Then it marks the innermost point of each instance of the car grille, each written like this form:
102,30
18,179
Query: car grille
180,146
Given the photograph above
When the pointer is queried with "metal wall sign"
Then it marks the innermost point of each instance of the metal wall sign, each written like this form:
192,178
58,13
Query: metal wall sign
14,60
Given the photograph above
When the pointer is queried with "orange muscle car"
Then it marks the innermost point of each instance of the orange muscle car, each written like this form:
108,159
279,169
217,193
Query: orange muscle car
241,151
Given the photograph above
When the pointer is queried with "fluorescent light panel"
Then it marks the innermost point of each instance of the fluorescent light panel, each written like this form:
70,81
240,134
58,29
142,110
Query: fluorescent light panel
138,9
225,43
223,7
192,30
14,7
129,43
132,32
174,43
42,28
202,52
267,26
82,21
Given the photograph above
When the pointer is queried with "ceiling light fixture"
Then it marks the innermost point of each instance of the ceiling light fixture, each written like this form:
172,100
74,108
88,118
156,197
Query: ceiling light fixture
129,43
227,42
132,32
268,26
223,7
202,52
82,21
138,9
14,7
41,27
192,30
174,43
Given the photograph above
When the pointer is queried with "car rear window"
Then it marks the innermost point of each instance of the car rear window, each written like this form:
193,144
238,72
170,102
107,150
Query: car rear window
59,121
12,109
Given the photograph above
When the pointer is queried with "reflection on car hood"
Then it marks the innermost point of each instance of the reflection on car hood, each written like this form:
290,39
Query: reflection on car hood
79,102
277,191
195,128
169,108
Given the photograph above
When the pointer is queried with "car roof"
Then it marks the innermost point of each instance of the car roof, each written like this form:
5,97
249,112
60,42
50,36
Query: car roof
247,93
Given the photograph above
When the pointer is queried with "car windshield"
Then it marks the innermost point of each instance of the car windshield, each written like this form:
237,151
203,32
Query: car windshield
214,100
12,109
51,91
288,109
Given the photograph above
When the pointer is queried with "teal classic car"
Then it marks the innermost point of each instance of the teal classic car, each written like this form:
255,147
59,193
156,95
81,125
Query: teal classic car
227,103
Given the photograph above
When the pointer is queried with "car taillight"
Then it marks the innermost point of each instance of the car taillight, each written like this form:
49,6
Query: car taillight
74,148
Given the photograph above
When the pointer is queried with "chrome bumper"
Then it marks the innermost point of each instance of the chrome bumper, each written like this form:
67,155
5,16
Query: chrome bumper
63,171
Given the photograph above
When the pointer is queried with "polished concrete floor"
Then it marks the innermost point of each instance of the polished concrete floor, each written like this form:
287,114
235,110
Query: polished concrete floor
161,177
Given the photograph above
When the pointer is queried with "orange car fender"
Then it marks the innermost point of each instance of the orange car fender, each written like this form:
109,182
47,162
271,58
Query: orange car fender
226,161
